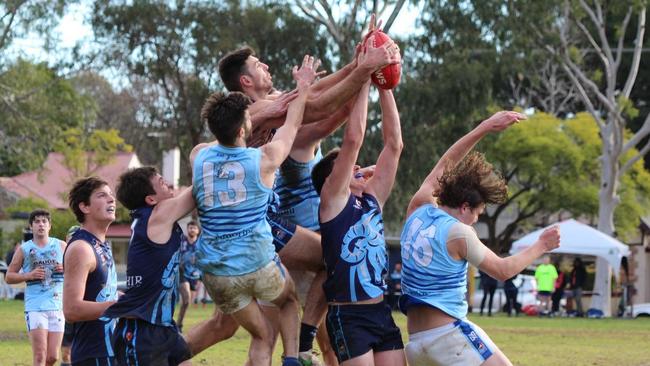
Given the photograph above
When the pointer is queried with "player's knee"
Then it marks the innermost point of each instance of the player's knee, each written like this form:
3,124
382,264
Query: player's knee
228,326
224,324
51,360
39,357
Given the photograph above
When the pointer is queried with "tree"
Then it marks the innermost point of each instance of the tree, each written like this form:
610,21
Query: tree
174,50
86,151
19,17
122,110
61,220
547,171
352,15
445,89
37,108
634,191
591,50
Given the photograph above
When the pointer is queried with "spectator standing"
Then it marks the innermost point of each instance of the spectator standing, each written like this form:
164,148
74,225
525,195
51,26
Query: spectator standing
578,278
560,284
545,274
489,286
627,287
511,291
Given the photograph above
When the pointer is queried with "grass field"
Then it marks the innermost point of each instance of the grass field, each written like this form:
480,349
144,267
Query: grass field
525,340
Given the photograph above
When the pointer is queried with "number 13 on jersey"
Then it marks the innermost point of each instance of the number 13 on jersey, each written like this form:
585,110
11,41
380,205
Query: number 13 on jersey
225,181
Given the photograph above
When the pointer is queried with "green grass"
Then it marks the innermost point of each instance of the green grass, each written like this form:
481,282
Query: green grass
525,340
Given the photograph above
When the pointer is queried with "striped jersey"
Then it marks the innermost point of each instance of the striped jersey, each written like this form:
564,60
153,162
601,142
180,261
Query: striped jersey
232,202
298,198
430,276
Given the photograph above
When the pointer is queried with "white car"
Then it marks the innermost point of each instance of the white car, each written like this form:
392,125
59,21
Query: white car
639,310
527,293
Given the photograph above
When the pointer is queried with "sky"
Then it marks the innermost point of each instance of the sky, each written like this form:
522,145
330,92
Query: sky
74,29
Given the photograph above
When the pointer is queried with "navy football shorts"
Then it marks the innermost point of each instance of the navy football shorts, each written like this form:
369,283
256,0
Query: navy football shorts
356,329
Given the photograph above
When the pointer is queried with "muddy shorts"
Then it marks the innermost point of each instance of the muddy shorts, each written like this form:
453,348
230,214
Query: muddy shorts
233,293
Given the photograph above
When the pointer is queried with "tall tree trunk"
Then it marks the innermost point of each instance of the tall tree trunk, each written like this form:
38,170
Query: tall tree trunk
601,298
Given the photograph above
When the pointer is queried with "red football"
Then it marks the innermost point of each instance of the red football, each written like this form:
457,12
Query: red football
388,77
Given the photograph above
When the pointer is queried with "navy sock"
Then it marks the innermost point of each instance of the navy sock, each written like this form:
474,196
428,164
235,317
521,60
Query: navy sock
290,361
307,334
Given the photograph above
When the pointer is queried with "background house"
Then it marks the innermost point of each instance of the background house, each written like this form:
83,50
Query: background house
52,183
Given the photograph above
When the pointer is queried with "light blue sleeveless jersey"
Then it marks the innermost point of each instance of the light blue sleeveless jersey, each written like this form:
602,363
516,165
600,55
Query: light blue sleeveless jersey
429,275
298,198
45,294
232,201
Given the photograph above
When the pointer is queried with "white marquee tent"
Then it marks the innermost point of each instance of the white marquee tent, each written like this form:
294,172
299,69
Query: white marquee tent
578,238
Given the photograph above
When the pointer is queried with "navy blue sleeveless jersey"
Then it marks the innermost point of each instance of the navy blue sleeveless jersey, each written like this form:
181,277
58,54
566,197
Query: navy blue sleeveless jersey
151,274
188,260
354,251
92,339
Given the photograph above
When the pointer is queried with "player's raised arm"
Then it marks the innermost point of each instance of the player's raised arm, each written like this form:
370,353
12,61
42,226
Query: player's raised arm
309,136
369,60
336,188
497,122
329,81
276,151
383,178
271,113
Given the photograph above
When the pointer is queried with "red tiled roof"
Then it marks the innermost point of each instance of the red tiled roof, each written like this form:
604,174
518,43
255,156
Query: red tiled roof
54,180
119,231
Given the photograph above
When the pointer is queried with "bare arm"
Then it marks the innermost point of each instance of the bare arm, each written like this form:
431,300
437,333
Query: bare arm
383,179
13,271
504,268
309,136
166,213
79,262
498,122
332,79
276,151
497,267
333,98
336,188
271,113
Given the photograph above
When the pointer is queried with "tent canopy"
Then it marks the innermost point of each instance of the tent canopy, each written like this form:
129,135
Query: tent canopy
578,238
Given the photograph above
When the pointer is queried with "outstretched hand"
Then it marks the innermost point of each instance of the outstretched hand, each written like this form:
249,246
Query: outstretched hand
377,57
550,238
307,73
502,120
373,25
279,106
